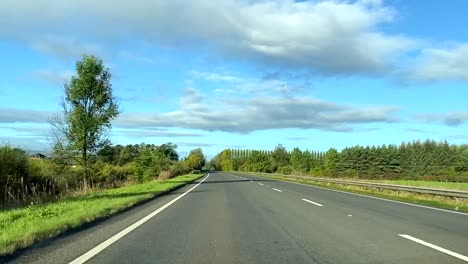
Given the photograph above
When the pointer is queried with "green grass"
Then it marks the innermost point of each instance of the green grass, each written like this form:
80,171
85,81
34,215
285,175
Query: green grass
20,228
463,186
410,197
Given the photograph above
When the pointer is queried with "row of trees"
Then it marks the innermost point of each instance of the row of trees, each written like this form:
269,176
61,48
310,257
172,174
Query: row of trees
428,160
24,179
83,156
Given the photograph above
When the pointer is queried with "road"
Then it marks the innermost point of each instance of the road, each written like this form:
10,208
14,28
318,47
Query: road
244,219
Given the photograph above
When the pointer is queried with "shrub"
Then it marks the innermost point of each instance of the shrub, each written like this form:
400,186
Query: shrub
165,175
178,168
14,165
113,175
285,170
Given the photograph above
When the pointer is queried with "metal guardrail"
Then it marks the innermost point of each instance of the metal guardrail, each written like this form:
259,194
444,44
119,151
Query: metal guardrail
431,191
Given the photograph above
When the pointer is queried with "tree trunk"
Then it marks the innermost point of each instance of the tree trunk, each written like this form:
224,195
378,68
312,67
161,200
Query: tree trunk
85,170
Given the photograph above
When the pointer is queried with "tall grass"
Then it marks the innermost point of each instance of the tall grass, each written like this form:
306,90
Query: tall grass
25,181
22,227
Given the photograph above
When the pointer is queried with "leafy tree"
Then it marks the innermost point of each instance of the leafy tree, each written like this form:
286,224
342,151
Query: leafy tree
260,162
227,163
331,161
281,157
299,161
88,109
168,150
196,159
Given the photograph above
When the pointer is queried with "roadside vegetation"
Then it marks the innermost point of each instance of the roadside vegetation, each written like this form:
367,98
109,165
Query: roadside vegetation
421,164
83,159
86,177
427,161
22,227
458,204
461,186
25,181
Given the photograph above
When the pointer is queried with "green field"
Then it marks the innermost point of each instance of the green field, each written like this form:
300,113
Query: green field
20,228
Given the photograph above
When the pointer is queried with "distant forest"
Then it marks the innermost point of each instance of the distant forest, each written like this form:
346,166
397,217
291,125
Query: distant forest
417,160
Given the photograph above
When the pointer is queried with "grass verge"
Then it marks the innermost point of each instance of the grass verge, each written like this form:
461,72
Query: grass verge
20,228
456,204
461,186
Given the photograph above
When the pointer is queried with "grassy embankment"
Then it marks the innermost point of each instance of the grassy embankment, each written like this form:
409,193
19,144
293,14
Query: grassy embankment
460,186
20,228
443,202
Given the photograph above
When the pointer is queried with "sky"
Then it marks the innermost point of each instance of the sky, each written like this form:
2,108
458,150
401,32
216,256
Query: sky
243,74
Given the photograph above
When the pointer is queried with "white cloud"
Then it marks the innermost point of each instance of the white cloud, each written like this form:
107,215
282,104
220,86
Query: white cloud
136,57
195,144
65,47
458,137
213,76
250,86
259,113
442,64
29,143
449,119
329,37
53,77
149,133
13,115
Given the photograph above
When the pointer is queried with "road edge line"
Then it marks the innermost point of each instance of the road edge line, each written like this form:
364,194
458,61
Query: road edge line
94,251
430,245
367,196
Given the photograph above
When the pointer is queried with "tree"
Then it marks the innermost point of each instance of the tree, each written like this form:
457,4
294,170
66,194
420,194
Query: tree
196,159
88,109
168,150
281,157
226,160
298,161
331,161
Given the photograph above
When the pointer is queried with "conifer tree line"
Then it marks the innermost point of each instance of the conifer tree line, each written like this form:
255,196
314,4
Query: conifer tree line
417,160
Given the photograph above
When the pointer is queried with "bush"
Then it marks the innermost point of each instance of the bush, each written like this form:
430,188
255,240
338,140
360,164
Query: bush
285,170
114,175
176,169
14,165
165,175
24,180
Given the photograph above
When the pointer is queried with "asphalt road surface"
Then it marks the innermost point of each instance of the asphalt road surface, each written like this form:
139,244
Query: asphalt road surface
244,219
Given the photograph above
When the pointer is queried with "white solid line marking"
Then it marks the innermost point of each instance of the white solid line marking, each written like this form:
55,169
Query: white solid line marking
278,190
93,252
309,201
443,250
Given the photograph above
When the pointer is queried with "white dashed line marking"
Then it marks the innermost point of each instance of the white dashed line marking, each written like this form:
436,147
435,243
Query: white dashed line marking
314,203
261,184
278,190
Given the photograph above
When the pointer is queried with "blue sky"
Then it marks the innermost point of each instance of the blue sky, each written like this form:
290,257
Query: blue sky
244,74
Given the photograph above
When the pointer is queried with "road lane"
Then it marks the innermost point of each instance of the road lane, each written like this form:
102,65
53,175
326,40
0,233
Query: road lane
235,221
227,219
443,228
